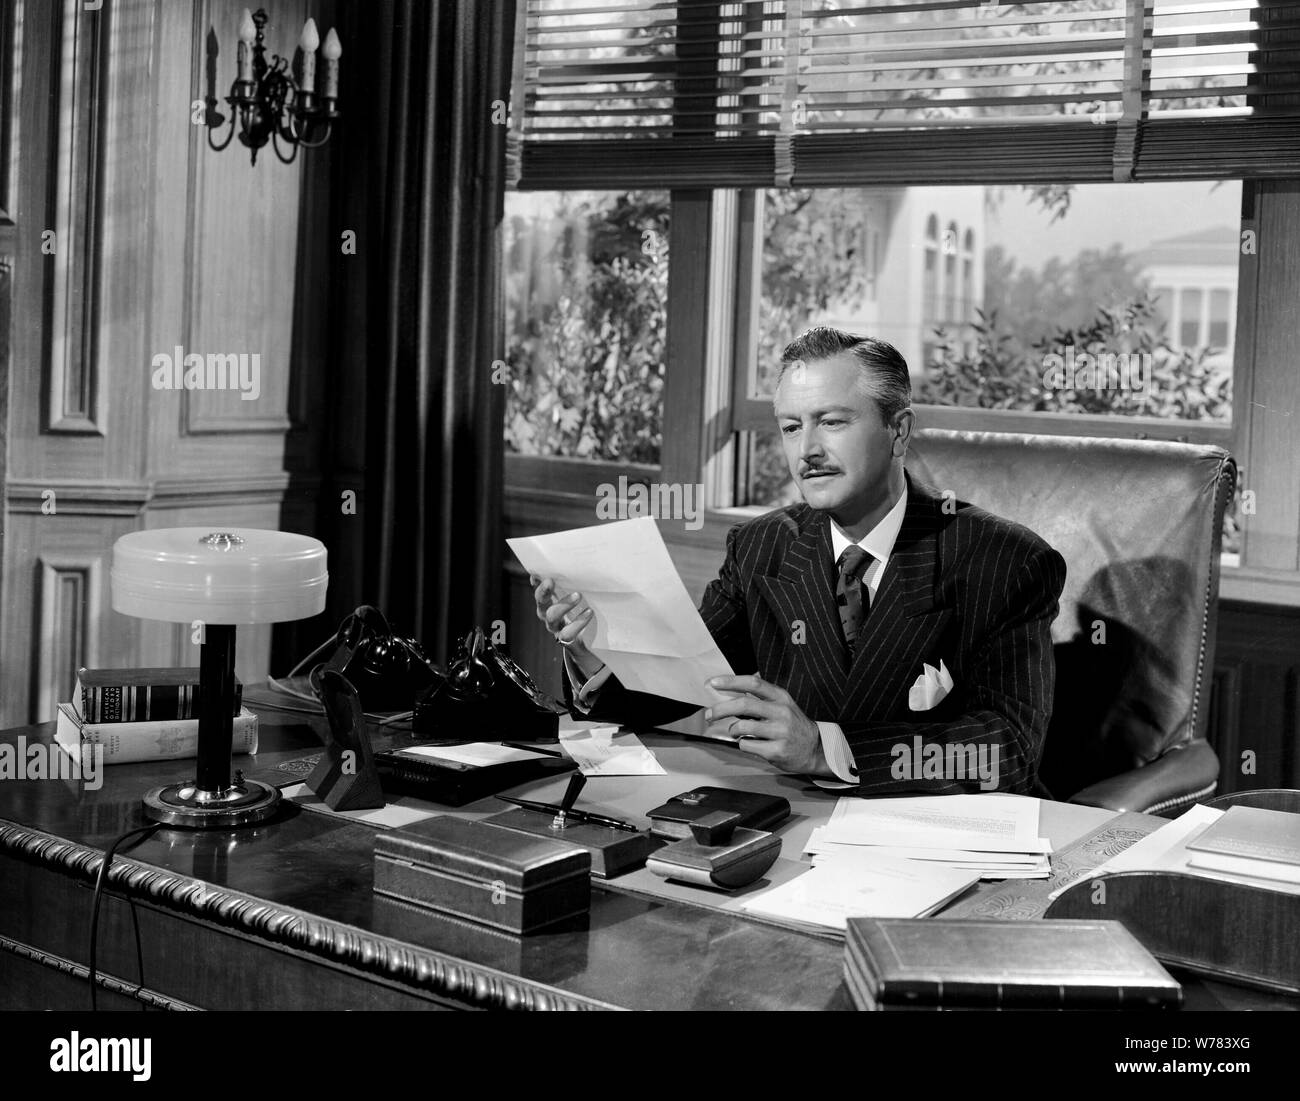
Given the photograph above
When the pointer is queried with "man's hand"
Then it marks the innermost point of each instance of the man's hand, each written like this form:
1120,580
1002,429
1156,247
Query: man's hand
768,723
566,616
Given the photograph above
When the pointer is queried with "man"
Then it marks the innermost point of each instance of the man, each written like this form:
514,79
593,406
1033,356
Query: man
831,610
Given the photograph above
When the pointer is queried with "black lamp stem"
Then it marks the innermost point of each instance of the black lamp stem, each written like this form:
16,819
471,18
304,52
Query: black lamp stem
216,706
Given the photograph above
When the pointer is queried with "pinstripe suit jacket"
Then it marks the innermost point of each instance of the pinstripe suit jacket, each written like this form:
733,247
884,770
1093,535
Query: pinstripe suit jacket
962,586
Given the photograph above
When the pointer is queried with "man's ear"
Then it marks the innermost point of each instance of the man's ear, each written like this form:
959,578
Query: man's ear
904,422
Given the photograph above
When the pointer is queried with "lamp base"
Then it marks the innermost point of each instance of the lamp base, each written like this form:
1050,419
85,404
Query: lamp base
242,804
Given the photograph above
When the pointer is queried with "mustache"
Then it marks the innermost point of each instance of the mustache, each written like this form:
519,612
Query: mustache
817,468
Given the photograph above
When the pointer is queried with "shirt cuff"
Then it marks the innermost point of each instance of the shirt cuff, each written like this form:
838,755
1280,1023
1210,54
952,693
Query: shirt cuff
839,758
584,694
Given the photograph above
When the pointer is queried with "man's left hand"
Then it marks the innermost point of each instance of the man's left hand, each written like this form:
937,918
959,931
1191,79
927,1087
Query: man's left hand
768,723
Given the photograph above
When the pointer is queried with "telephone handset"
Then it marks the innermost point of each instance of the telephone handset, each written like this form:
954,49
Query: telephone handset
486,697
389,672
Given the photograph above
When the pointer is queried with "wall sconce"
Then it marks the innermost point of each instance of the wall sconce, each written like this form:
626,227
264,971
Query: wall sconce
267,102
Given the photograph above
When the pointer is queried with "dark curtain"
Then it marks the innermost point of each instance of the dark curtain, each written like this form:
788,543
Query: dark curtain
416,318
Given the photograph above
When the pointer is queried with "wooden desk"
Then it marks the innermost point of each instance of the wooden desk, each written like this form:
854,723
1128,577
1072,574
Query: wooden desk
283,916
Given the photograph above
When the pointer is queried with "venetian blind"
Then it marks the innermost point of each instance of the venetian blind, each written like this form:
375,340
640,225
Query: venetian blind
699,93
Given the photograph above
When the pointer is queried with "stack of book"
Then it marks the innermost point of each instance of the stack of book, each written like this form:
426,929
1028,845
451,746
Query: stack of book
143,715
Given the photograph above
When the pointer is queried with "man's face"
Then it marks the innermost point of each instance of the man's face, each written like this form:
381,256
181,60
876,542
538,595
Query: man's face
839,451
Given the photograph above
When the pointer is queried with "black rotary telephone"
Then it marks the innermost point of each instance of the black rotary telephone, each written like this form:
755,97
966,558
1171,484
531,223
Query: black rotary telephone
389,672
486,697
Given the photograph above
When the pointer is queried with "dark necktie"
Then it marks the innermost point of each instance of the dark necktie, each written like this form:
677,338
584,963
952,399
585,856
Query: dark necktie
849,594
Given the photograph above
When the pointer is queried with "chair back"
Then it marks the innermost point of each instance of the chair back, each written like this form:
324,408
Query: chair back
1139,524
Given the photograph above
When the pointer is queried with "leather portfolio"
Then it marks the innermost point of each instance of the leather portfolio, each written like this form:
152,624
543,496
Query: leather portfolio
507,880
934,964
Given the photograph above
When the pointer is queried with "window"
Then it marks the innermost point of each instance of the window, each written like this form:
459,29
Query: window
586,320
1056,315
950,273
1219,336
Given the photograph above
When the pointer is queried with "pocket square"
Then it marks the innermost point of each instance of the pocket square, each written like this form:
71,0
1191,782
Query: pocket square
930,688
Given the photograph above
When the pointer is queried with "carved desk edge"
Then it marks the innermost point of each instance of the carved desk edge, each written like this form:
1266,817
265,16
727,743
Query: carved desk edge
468,984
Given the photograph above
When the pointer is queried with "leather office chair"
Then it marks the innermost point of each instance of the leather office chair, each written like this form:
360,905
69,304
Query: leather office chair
1139,524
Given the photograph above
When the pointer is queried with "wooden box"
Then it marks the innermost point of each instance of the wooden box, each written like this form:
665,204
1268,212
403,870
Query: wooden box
470,870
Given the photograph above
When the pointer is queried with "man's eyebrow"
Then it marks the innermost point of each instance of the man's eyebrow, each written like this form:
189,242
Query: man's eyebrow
817,412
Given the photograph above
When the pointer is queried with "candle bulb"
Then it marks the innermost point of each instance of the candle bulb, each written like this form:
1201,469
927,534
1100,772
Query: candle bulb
247,33
309,43
332,50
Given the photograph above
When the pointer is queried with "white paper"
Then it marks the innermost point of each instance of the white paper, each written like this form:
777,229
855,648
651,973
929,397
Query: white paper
390,816
828,895
989,823
645,627
471,755
988,865
602,751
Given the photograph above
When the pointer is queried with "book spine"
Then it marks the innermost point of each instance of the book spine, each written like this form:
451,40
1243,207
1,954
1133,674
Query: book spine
138,703
159,740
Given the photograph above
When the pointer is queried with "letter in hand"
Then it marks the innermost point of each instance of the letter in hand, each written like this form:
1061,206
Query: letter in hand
766,722
566,616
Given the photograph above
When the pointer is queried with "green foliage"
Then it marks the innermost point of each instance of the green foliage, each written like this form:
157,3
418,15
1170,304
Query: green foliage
995,372
588,366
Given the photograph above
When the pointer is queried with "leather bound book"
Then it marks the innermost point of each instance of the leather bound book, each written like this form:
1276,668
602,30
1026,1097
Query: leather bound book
937,964
1251,841
140,695
757,811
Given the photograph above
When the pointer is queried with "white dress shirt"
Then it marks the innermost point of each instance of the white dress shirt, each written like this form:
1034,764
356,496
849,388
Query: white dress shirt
879,543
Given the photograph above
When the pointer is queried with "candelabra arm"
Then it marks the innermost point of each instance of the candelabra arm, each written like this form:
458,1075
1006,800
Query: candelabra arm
230,136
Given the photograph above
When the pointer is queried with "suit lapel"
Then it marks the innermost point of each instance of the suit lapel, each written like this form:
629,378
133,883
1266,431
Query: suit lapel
903,622
803,593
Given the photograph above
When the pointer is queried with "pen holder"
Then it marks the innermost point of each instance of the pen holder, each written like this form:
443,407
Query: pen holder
613,852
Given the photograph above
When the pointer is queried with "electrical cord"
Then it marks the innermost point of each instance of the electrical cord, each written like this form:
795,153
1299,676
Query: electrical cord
100,880
139,951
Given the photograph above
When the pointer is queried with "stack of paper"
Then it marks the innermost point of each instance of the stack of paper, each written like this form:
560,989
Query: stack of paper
856,885
989,836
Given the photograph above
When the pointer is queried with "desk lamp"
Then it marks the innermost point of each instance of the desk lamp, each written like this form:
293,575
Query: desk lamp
221,579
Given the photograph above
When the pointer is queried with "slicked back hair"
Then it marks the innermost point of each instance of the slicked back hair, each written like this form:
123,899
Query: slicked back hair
883,366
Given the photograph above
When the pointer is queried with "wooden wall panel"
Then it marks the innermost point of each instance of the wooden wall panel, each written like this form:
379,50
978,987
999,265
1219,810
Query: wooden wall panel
75,389
57,603
161,242
70,622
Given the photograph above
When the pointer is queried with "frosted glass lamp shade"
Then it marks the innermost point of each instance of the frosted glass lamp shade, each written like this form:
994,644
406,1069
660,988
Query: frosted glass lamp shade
230,575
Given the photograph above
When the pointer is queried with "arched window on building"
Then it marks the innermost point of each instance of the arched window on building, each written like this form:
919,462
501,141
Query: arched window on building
950,243
968,276
930,290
